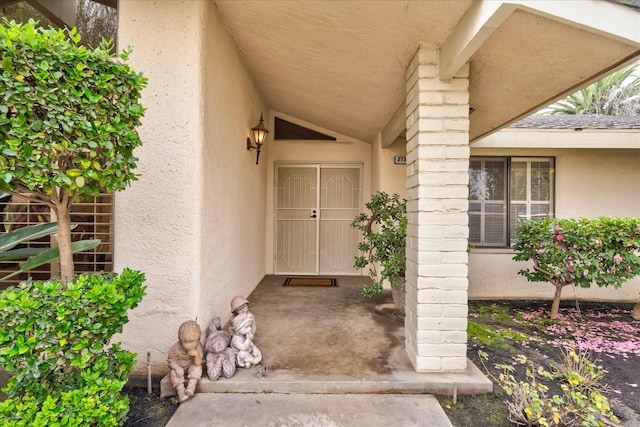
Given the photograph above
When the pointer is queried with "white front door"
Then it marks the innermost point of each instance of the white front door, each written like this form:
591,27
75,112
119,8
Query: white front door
313,236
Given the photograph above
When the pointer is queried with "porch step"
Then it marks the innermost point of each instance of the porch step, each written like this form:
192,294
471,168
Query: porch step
354,410
470,381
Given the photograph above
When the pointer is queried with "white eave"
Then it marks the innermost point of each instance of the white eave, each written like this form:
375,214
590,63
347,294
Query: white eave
562,138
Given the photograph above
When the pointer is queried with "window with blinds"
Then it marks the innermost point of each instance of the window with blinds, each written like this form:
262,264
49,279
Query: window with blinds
502,192
91,220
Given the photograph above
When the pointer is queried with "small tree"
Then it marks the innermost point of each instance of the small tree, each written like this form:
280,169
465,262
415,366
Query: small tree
67,121
604,251
384,234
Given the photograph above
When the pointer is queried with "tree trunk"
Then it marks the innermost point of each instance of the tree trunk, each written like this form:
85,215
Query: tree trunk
556,302
636,311
64,243
398,292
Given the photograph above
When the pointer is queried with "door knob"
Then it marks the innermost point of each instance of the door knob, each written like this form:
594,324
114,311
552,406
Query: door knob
313,214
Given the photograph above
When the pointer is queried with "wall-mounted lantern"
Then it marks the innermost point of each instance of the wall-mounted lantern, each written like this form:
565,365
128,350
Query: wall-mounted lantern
259,136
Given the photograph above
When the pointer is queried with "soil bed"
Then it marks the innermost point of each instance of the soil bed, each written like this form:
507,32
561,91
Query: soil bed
148,410
504,330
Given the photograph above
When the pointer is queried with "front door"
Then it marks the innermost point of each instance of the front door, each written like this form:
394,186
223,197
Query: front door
314,206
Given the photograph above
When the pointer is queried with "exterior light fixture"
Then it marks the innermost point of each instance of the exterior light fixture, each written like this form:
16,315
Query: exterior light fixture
259,136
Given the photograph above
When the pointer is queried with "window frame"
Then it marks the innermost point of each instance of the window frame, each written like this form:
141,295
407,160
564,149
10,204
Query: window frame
508,238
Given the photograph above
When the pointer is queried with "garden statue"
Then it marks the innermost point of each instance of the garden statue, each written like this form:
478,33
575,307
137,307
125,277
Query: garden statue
185,356
244,329
220,358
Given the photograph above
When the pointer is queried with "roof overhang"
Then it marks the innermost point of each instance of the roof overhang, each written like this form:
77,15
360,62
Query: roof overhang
562,139
341,65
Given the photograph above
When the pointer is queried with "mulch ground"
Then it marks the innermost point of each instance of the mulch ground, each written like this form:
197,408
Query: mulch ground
148,410
504,330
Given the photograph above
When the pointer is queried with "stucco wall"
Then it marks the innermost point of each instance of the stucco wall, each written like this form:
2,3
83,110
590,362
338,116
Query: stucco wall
232,229
312,152
385,175
589,183
156,218
194,222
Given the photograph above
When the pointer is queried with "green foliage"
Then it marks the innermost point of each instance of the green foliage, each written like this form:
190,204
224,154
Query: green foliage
54,341
615,95
487,335
8,241
581,403
34,257
68,114
384,233
497,312
604,251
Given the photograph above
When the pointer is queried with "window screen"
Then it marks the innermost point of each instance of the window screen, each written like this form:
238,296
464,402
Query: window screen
92,220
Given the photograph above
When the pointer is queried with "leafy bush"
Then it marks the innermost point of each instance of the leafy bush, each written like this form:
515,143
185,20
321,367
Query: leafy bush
604,251
54,341
581,403
384,234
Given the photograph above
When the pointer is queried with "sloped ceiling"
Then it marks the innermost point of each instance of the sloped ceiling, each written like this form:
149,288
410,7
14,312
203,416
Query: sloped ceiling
341,64
337,64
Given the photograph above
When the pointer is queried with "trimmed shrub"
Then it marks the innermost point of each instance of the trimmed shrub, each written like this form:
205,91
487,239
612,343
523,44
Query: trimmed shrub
604,251
54,341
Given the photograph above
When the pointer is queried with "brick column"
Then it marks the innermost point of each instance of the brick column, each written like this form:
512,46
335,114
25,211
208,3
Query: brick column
437,201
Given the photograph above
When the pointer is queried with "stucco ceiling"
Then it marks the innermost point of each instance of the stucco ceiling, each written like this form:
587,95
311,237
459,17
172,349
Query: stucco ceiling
340,65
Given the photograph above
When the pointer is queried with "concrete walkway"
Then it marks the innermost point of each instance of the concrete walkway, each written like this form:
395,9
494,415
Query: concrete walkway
309,410
333,358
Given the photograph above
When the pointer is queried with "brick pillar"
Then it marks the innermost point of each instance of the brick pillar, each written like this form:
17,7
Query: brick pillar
437,201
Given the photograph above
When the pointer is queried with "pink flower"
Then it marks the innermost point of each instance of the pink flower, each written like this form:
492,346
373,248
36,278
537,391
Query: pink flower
585,272
560,237
617,258
570,269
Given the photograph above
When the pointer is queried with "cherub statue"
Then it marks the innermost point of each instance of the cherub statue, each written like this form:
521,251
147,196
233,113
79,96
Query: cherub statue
185,356
244,329
220,358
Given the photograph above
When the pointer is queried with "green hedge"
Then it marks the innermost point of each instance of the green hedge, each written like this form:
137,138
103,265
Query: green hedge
55,342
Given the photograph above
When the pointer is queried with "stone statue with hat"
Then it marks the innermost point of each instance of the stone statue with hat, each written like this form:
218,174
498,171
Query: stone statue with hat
243,329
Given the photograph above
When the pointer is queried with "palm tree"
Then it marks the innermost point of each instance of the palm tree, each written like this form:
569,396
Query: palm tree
616,95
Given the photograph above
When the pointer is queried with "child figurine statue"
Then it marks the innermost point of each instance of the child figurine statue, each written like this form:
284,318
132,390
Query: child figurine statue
244,329
185,356
221,359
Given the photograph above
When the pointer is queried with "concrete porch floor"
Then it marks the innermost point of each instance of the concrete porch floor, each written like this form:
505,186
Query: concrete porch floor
331,340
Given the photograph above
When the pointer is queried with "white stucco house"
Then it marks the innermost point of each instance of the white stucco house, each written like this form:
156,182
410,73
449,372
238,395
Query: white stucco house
345,87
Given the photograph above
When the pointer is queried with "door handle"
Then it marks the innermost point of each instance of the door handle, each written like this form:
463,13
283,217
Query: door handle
313,214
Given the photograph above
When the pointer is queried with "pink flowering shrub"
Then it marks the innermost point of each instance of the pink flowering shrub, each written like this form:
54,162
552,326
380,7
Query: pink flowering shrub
604,251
